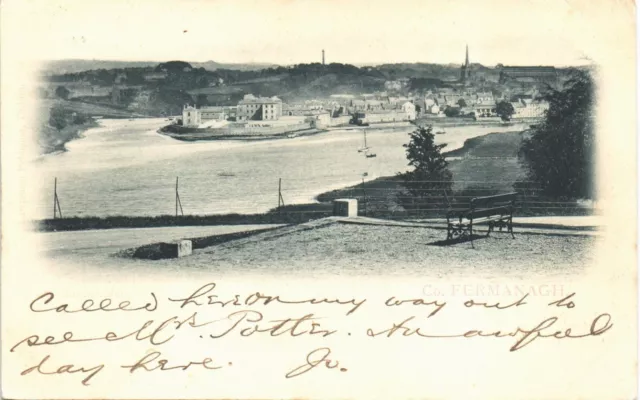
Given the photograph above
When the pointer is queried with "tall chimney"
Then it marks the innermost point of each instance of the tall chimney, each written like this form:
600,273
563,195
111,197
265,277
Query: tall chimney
322,56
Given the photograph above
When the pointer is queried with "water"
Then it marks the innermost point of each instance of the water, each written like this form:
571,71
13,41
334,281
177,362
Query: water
124,167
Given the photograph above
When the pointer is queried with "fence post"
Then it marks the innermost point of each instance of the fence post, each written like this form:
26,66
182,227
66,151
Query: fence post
280,198
56,201
55,195
525,204
178,202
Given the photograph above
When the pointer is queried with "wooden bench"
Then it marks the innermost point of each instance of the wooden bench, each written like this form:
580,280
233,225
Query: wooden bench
497,211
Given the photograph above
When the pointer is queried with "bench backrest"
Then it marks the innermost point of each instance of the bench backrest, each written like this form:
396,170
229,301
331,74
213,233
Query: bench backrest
488,212
492,201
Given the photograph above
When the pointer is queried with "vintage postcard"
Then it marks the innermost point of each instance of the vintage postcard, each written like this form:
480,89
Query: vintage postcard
279,199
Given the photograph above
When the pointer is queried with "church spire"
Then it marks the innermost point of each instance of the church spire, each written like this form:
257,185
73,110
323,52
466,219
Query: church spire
466,61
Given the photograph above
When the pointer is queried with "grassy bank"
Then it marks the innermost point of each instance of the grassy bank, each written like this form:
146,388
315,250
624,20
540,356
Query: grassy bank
53,140
61,121
88,109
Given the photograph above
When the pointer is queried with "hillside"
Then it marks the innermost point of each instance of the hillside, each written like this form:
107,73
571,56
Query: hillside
164,88
58,67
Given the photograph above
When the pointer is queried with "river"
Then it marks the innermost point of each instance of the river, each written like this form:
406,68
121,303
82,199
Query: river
124,167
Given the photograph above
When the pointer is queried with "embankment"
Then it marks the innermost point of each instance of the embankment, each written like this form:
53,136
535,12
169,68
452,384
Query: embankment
197,134
87,223
52,140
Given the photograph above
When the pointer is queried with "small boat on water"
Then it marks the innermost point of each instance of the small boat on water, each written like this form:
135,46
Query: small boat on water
371,155
365,148
291,135
440,133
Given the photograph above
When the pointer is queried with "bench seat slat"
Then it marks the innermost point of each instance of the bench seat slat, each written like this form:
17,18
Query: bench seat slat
466,222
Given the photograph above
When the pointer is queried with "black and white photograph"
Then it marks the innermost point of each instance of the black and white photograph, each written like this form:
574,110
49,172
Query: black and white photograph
391,170
324,160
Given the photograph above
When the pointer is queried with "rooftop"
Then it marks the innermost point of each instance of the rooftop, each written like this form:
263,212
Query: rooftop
528,69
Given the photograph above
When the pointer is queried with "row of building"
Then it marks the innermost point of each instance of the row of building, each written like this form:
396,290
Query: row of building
269,109
484,105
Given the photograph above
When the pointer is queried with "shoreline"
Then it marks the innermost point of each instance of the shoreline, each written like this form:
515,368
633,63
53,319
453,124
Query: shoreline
205,137
208,136
65,136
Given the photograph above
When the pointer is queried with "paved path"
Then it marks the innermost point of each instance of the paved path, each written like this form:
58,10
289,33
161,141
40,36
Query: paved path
568,221
107,241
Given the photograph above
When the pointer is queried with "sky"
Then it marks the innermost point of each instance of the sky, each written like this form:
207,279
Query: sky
523,32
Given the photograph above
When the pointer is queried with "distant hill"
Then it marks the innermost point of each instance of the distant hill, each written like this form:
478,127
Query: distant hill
163,88
58,67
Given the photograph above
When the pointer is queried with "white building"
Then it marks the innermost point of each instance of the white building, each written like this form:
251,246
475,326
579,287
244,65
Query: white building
190,116
485,110
252,108
485,99
529,109
410,110
428,102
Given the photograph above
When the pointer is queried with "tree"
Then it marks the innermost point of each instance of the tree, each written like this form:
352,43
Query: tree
462,103
174,67
559,155
430,178
62,92
201,100
58,118
505,110
79,119
452,111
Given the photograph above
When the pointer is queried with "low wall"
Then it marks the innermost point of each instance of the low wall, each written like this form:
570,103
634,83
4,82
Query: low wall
270,130
342,120
373,118
231,130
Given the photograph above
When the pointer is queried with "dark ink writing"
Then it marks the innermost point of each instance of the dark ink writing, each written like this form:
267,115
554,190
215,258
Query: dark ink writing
38,305
150,362
316,357
65,369
600,325
202,296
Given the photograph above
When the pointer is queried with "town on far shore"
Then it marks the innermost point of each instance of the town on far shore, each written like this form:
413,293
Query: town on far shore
276,101
517,94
